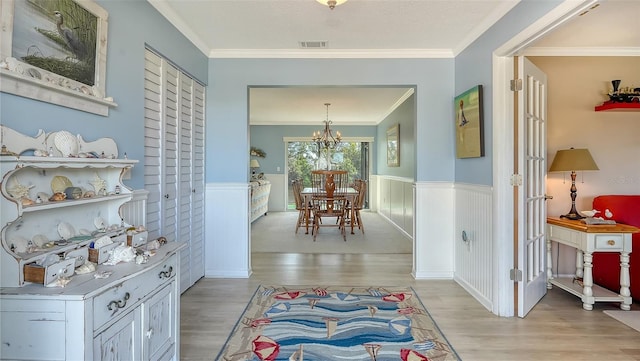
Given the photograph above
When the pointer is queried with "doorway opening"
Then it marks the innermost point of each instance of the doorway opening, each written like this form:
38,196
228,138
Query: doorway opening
303,157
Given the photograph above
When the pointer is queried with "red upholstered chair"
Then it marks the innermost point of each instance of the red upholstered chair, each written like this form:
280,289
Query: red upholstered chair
606,266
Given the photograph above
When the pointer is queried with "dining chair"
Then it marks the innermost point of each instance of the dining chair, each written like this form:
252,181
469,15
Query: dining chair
328,182
358,204
328,207
296,185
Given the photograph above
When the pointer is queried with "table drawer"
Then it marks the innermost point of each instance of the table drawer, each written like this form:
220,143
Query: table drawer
119,299
609,242
564,236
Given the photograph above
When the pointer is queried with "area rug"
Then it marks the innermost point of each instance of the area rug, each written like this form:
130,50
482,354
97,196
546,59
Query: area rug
275,233
336,323
629,318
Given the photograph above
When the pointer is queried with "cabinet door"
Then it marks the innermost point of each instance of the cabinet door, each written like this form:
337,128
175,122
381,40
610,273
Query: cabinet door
174,161
121,341
159,324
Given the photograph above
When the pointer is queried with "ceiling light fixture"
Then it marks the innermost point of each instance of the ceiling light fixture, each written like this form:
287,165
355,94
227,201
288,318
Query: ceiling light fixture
325,139
331,3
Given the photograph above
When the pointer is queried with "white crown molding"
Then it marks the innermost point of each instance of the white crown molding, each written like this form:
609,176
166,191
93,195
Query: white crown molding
166,11
333,53
586,51
487,23
404,97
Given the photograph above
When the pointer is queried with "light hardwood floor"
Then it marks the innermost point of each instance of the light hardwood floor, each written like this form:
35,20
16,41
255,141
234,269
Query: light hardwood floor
556,329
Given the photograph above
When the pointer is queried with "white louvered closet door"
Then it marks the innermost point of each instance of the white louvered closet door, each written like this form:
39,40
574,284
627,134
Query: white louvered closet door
197,193
174,161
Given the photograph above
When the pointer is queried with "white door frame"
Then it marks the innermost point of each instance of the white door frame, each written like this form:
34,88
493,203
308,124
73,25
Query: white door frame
503,145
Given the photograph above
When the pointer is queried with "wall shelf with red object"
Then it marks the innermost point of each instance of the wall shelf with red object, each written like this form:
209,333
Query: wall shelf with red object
617,107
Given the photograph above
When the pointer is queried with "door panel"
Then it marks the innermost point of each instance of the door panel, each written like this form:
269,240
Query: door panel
531,195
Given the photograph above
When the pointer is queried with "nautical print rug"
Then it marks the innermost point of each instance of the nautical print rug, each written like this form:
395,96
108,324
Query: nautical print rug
336,323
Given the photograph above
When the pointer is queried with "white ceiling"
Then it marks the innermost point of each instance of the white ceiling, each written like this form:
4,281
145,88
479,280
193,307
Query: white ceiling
373,29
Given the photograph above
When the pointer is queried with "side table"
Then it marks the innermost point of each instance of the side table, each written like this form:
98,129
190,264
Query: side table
587,239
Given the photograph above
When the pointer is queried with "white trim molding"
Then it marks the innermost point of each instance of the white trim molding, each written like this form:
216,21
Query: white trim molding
227,232
433,249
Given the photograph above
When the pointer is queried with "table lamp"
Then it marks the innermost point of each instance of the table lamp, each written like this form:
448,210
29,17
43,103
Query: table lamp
253,165
573,160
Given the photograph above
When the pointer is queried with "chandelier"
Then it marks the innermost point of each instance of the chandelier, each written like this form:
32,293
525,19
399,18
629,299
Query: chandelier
325,139
331,3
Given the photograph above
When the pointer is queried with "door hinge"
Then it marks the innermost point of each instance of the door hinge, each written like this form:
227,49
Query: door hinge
516,85
515,275
516,180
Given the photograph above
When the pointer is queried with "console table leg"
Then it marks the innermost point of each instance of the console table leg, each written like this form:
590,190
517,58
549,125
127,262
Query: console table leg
587,281
625,281
579,264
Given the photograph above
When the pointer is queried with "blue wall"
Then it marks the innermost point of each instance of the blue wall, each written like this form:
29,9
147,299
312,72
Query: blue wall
436,82
227,117
404,116
125,83
475,66
269,138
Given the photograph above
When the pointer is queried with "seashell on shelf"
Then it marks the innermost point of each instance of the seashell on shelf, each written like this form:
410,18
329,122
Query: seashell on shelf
59,183
42,197
20,244
26,201
89,194
40,240
99,185
66,143
58,196
66,230
100,223
87,267
17,190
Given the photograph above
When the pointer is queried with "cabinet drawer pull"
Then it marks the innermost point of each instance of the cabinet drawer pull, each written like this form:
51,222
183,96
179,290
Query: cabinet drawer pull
167,273
118,304
611,242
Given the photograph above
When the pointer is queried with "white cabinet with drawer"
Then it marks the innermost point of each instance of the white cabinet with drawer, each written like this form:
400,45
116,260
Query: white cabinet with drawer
132,315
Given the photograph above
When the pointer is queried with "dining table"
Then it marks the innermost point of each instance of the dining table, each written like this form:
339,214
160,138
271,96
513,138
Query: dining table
349,193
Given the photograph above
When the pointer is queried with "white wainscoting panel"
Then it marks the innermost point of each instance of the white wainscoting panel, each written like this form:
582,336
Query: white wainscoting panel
433,240
227,237
394,196
134,212
474,257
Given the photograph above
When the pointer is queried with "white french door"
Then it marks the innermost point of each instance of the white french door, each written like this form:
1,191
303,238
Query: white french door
531,164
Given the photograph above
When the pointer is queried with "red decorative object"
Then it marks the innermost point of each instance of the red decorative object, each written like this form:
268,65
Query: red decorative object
617,106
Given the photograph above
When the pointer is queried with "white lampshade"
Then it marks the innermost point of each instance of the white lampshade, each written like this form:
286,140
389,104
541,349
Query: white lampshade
254,163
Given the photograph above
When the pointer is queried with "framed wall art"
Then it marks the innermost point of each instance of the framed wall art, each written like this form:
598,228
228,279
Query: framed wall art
469,123
393,146
55,51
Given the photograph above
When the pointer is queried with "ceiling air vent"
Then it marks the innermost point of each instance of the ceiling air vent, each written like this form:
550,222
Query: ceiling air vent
313,44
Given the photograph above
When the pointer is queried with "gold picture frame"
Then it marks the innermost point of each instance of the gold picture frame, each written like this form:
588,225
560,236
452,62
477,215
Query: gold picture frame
55,51
393,146
469,123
